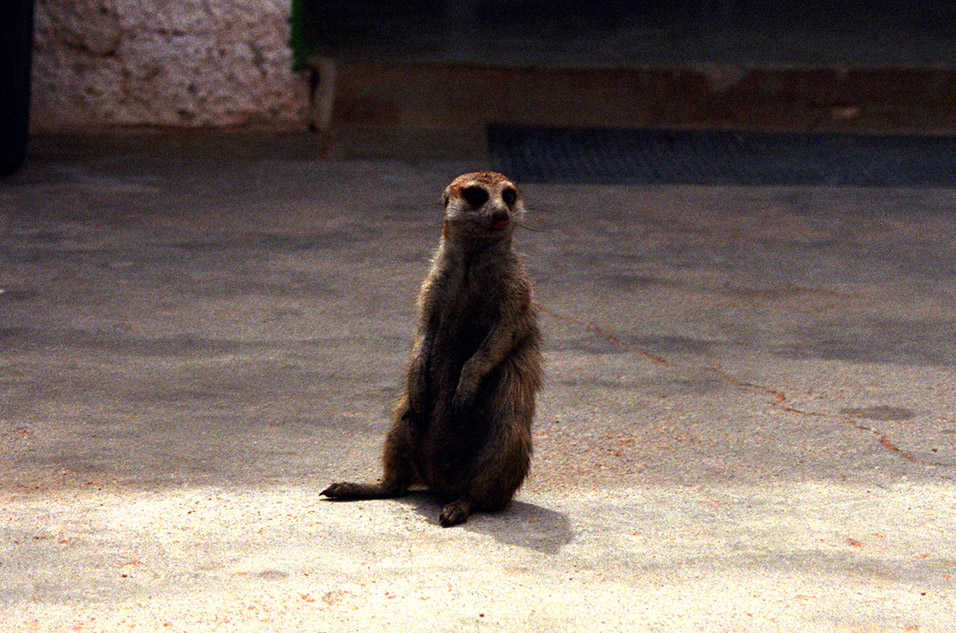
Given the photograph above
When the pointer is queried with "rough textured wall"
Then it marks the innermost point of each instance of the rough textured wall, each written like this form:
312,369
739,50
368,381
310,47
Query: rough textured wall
183,63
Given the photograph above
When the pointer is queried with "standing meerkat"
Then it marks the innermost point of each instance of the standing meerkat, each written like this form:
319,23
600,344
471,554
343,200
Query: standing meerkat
463,424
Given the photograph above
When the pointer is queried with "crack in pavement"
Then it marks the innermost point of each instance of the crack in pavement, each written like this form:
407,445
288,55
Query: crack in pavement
780,400
602,333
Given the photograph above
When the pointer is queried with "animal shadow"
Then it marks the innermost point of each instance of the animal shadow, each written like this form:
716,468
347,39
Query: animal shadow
522,524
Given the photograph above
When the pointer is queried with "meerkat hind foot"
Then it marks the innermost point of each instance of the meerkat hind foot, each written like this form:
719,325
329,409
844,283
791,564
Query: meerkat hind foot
456,512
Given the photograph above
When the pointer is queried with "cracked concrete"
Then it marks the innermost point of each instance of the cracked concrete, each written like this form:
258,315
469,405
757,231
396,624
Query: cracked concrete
748,421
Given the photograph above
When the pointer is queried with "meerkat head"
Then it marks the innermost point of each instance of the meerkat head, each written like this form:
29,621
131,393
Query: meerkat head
484,203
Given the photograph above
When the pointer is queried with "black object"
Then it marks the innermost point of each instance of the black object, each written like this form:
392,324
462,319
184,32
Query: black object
720,157
16,51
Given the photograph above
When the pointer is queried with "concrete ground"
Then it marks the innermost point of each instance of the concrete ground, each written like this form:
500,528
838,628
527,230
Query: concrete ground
748,423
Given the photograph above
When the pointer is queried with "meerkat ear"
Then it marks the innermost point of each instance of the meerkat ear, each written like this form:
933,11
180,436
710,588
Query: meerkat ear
445,196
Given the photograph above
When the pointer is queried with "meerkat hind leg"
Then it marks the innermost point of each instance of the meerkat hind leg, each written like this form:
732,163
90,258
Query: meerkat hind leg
396,478
394,483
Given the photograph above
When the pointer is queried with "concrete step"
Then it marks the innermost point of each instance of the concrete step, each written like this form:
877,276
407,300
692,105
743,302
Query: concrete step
355,101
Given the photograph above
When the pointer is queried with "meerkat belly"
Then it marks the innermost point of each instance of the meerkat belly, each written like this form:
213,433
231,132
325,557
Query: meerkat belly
450,447
462,326
452,348
450,458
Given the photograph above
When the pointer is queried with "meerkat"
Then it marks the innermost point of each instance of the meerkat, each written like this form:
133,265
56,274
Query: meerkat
462,426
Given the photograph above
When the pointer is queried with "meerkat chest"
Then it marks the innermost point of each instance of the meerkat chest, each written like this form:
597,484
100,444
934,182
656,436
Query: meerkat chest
467,310
464,322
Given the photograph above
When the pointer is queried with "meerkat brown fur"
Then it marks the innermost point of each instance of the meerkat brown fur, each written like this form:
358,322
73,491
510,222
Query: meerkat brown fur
463,424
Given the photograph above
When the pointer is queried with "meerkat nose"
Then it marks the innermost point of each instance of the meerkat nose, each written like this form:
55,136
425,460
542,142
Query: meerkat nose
499,218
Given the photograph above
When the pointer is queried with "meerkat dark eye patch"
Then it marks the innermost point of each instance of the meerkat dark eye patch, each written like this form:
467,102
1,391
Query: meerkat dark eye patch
509,195
475,196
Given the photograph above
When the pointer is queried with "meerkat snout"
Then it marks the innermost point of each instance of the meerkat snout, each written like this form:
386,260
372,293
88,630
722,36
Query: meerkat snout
500,218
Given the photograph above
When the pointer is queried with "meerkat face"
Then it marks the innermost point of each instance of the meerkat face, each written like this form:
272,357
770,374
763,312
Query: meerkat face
485,201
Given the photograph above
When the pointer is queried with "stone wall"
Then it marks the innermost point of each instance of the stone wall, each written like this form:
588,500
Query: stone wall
104,64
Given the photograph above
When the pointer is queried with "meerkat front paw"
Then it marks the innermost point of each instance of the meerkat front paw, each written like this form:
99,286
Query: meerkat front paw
461,403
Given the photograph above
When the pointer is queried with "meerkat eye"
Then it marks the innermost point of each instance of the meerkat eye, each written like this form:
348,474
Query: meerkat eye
475,196
509,195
